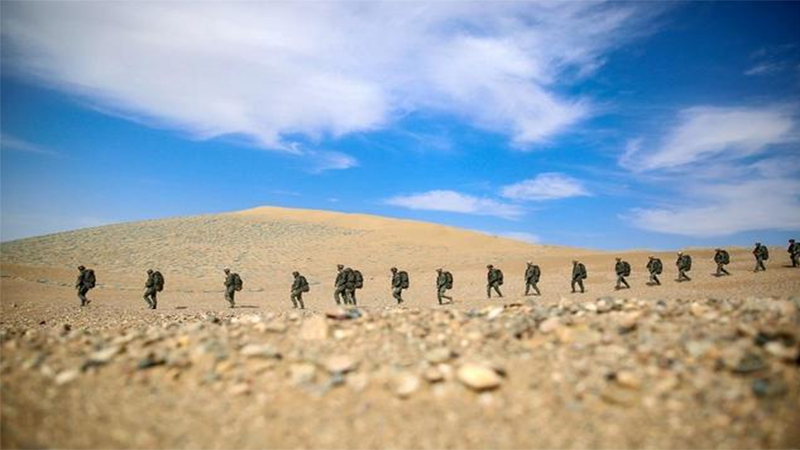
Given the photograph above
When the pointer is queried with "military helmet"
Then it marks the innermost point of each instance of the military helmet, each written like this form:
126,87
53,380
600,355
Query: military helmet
758,244
81,267
226,270
339,266
619,259
439,269
149,271
295,273
490,266
393,269
791,240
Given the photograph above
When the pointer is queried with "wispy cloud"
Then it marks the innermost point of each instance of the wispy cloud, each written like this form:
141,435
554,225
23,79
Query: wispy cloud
271,71
706,132
722,173
774,59
452,201
545,186
764,68
324,160
728,208
8,142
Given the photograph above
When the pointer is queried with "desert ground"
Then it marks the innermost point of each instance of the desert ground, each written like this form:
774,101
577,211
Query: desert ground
711,363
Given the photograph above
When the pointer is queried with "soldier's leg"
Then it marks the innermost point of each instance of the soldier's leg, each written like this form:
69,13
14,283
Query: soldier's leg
337,296
352,294
625,282
488,291
573,284
658,282
619,278
146,298
719,270
580,283
536,287
229,296
725,271
293,298
497,289
82,296
527,287
300,300
397,296
155,299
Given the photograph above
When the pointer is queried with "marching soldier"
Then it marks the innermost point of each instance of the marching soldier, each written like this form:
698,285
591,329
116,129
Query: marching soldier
684,264
399,282
494,279
762,254
153,285
299,286
722,258
578,275
794,252
655,267
532,275
85,282
444,281
622,269
233,283
340,285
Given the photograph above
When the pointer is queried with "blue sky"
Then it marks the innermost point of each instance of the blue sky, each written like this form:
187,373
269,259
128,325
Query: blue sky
602,125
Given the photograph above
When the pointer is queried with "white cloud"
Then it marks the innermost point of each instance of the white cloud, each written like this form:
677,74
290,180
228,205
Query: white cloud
324,160
764,69
727,170
545,186
708,132
12,143
727,208
451,201
270,71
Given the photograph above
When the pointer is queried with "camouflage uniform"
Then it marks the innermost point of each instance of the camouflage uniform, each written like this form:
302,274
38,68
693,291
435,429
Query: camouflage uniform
654,266
619,269
532,275
721,258
150,291
83,285
578,275
794,252
494,279
299,286
683,263
230,288
397,285
340,286
441,286
760,253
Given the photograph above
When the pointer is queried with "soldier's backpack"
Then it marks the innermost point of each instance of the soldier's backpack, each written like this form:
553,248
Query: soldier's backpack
658,267
158,281
304,287
359,279
499,276
536,273
403,279
449,280
626,269
89,280
764,252
238,284
724,257
582,271
687,262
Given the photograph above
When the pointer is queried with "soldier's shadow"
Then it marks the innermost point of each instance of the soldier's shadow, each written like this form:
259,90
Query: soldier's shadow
248,306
